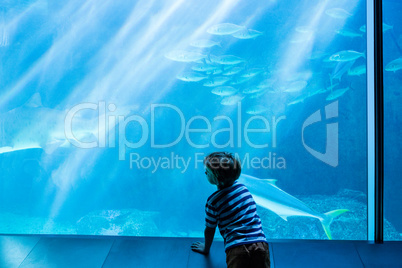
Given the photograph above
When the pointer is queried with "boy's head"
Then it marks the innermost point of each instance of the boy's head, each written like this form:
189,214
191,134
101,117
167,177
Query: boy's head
222,169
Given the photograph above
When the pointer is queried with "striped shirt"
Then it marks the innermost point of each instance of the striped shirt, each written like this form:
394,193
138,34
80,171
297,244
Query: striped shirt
233,209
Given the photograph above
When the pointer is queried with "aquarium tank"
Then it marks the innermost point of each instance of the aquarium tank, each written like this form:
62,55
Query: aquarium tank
107,110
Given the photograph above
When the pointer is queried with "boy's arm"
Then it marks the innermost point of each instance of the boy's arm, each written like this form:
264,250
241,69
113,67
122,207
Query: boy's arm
209,237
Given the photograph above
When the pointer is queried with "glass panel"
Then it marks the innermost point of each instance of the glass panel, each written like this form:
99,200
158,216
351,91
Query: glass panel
392,37
108,109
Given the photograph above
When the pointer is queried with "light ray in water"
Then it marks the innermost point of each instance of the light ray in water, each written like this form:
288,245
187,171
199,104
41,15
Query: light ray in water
117,77
52,56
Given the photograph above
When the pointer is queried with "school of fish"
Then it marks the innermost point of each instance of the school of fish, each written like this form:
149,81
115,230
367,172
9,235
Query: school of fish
233,78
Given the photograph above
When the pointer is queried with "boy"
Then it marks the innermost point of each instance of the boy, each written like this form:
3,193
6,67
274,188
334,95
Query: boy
233,209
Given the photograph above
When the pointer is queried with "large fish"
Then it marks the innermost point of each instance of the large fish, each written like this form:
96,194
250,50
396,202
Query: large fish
394,65
346,55
267,195
34,126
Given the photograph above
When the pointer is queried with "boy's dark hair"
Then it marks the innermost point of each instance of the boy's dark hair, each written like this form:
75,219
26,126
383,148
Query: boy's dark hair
225,167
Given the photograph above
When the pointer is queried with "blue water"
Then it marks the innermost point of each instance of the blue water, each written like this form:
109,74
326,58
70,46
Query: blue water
392,118
110,60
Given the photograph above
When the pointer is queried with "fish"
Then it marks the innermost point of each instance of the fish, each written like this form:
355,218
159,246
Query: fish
204,60
303,29
346,55
246,34
232,100
385,27
227,59
349,33
224,29
256,109
216,81
330,88
240,80
205,43
322,90
205,67
215,71
297,100
318,91
327,60
252,90
269,196
358,70
259,94
33,126
296,86
233,71
338,13
8,149
224,91
191,77
184,56
252,72
337,93
394,65
267,83
341,68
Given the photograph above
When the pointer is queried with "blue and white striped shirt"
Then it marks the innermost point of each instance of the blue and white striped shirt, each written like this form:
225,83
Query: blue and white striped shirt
233,209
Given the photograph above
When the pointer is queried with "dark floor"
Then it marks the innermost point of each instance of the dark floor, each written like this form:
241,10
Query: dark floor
85,251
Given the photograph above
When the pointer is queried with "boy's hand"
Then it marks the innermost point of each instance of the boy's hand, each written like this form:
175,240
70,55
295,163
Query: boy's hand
199,247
